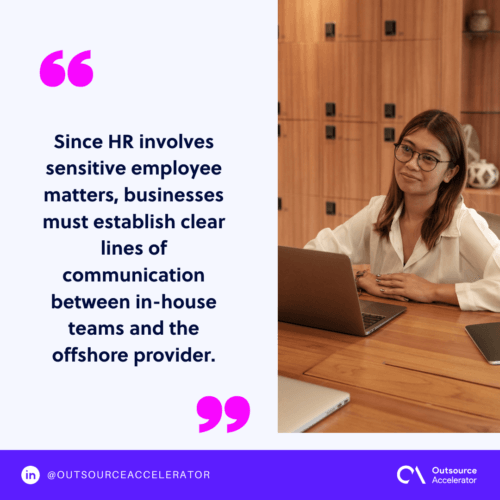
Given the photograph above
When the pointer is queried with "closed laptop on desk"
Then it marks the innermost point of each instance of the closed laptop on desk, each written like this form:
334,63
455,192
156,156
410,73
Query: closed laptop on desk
317,289
301,405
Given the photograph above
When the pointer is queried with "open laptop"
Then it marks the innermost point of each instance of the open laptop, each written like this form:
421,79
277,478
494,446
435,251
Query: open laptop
301,405
318,289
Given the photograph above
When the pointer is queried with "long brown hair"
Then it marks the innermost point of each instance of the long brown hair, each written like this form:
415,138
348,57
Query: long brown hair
447,129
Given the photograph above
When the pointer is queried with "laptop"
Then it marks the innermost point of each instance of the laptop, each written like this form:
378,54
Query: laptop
301,405
317,289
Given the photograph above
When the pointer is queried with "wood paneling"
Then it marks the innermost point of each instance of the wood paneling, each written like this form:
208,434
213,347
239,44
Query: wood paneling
355,20
415,19
344,210
348,75
481,71
410,78
299,220
350,162
299,158
451,60
299,21
298,81
481,74
330,69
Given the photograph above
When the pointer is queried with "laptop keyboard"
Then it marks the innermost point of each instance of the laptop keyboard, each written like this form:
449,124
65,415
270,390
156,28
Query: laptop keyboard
370,319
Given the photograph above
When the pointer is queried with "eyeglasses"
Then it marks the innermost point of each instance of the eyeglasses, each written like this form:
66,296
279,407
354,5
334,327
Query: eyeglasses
425,161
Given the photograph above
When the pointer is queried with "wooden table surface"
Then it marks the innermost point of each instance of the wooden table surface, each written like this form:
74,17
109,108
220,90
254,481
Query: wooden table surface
419,373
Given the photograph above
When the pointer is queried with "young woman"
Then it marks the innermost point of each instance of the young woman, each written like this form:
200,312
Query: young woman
421,241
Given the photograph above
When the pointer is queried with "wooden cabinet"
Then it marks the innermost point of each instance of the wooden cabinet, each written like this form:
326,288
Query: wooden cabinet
298,158
355,20
344,210
350,161
410,79
298,81
299,220
299,21
348,76
413,19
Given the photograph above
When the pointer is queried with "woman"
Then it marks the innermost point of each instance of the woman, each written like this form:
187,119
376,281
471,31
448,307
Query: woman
421,241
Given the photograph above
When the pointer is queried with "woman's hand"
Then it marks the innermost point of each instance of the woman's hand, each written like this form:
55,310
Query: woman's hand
369,284
407,285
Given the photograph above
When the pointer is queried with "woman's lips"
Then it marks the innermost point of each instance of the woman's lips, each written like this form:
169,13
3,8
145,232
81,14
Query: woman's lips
409,177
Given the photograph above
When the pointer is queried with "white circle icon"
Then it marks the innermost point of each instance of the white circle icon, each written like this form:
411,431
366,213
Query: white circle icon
30,474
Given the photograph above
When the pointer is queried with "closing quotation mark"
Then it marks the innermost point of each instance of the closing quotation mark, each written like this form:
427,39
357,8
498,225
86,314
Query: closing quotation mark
79,74
210,408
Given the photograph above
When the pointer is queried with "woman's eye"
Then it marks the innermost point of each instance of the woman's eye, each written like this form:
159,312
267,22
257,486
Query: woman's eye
428,158
406,149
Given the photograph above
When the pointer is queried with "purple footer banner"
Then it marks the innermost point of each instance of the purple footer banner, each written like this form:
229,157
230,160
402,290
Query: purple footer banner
247,474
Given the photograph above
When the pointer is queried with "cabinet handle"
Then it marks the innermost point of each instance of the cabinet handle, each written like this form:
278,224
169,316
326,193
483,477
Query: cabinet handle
330,109
330,208
330,30
390,28
390,110
279,130
279,203
330,132
389,134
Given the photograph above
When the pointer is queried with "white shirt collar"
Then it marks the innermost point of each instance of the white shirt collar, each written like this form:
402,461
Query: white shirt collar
452,231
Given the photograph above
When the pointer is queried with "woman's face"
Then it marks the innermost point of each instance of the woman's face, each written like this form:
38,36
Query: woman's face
411,178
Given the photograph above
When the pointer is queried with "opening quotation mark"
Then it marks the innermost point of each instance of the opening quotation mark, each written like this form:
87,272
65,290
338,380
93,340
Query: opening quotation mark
79,74
210,408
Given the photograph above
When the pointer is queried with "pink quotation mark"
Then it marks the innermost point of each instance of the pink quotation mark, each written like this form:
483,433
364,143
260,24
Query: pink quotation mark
236,408
79,74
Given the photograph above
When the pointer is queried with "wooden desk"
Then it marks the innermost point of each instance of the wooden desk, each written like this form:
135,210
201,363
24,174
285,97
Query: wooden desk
419,373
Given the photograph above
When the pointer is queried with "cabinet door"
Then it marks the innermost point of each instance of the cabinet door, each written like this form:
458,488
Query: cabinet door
350,161
298,81
387,153
298,158
360,77
330,65
414,19
355,20
344,210
299,220
299,21
410,78
348,80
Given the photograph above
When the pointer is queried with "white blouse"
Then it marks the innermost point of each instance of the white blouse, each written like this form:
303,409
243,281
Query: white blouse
466,253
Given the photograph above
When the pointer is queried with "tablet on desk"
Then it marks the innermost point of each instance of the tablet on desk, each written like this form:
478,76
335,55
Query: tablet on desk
487,339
